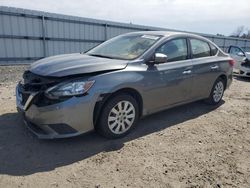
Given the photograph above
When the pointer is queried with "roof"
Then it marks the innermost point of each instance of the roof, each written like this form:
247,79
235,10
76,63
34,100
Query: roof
167,33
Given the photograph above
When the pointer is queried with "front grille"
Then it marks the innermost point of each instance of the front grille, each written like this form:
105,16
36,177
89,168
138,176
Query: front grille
34,83
41,100
25,97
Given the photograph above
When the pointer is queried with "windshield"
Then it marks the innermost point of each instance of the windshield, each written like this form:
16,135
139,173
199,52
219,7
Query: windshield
124,47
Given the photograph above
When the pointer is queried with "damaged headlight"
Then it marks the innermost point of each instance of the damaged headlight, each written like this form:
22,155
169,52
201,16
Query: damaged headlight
73,88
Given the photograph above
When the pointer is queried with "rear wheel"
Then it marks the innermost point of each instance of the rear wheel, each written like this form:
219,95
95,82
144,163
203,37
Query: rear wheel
118,116
217,92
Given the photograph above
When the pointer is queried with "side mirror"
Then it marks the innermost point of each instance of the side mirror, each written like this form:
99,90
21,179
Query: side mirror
240,54
160,58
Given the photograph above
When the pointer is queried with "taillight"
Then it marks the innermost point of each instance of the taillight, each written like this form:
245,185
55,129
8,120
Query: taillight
231,62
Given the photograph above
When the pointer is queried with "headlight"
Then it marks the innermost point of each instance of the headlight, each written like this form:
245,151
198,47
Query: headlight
73,88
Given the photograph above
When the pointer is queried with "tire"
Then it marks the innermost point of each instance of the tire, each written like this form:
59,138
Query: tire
217,92
115,121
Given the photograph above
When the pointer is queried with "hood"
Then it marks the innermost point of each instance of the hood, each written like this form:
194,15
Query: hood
71,64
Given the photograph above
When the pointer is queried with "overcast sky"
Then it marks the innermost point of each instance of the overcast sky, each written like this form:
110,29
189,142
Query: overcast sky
204,16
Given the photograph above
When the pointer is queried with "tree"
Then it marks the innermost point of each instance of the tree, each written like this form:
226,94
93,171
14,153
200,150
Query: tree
241,32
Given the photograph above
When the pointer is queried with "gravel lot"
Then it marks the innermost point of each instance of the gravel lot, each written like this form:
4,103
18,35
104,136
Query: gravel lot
189,146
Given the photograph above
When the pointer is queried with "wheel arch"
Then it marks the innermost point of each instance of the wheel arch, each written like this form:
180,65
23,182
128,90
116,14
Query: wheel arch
224,78
105,97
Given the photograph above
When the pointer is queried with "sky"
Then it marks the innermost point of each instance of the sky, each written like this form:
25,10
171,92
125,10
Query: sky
201,16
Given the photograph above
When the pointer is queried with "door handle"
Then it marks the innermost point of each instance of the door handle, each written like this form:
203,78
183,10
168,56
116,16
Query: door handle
214,67
187,72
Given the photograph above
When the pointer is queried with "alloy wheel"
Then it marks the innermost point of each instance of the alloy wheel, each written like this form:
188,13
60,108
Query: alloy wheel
218,91
121,117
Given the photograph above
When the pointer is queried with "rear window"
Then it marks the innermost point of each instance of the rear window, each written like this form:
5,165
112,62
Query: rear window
199,48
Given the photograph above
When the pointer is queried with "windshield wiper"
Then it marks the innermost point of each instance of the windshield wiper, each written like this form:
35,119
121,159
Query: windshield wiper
98,55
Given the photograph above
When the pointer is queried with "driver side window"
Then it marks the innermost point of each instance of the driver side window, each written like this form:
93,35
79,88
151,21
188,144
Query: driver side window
175,50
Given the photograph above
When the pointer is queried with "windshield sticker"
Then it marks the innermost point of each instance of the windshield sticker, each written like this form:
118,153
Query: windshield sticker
152,37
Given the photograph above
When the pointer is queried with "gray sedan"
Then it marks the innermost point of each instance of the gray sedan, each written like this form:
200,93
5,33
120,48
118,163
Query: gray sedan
111,86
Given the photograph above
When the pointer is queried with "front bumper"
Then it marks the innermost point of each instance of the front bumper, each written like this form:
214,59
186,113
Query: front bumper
69,118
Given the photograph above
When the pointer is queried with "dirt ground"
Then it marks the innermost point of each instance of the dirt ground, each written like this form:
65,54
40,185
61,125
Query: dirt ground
194,145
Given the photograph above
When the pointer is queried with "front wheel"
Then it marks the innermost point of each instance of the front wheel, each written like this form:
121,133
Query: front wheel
217,92
118,116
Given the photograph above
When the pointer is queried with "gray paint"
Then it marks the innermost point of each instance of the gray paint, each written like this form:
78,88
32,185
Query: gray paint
27,34
160,86
72,64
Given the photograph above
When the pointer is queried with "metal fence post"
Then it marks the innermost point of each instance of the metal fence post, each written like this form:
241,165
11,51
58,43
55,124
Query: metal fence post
106,31
43,36
224,43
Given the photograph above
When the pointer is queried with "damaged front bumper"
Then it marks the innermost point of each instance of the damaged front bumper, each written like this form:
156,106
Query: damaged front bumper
68,118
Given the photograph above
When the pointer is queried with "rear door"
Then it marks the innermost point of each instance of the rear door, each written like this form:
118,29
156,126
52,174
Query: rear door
206,67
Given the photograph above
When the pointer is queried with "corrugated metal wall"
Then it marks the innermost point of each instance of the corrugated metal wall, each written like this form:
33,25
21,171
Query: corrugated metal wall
27,35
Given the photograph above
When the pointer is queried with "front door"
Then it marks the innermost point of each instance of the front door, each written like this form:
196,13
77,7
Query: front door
238,55
169,83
